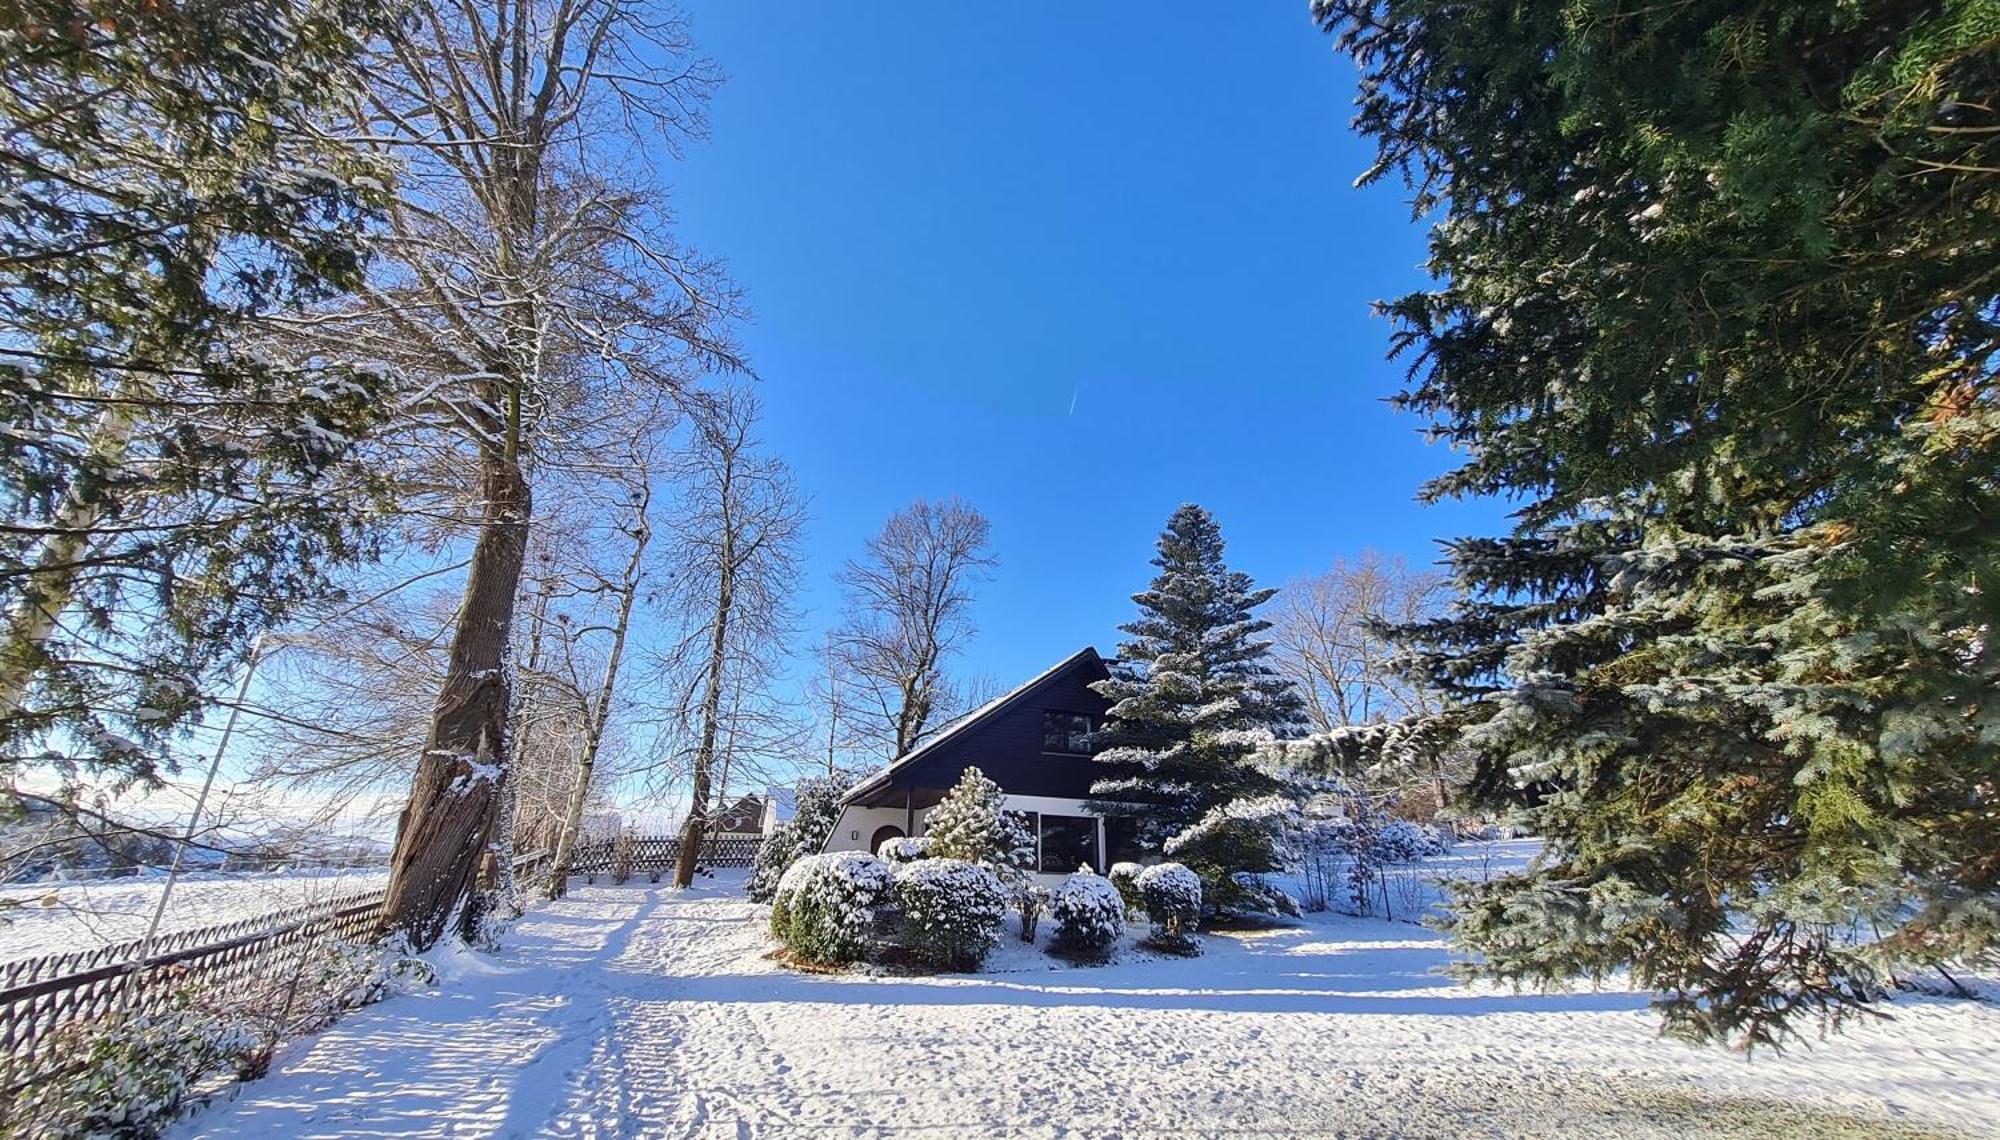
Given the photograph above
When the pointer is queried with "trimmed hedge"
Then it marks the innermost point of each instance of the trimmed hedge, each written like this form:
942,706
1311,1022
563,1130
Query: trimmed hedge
824,910
952,910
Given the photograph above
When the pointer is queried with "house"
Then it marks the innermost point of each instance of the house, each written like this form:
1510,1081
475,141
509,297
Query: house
743,819
1035,743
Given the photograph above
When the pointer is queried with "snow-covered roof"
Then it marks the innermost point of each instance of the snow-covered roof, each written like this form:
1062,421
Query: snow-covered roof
963,724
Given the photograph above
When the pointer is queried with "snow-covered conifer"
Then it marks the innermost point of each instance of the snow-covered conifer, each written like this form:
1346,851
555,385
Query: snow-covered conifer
1193,697
818,809
969,824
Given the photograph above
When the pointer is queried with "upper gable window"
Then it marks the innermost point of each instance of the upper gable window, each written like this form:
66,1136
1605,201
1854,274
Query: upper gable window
1067,732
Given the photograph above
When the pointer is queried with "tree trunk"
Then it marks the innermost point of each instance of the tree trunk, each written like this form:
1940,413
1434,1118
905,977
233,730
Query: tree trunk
455,796
711,707
49,590
600,715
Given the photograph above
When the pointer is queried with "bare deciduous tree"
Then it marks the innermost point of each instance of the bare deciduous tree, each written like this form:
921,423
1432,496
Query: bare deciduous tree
909,602
737,532
1325,638
525,281
595,705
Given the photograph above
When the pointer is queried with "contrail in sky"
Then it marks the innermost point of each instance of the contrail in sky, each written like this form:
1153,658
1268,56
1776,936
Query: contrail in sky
1072,399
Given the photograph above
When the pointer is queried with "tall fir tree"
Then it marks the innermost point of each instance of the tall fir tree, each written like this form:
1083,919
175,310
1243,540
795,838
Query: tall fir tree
1717,306
1192,695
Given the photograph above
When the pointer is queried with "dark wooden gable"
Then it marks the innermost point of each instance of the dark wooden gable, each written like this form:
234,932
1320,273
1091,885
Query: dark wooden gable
1004,740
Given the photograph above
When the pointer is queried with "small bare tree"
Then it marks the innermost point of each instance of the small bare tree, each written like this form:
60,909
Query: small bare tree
909,603
1326,637
595,705
737,529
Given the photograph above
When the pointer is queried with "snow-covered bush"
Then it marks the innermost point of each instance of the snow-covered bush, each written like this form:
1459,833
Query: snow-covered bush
813,820
903,850
951,911
824,909
1171,896
969,823
132,1074
1088,915
1252,835
1259,895
1400,841
1125,876
1031,899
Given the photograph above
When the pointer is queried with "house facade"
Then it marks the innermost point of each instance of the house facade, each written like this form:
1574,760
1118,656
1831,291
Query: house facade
1035,743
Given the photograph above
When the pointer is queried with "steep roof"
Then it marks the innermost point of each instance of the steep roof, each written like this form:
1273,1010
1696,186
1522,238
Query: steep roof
968,723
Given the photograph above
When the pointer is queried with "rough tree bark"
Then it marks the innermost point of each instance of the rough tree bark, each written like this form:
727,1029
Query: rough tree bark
455,797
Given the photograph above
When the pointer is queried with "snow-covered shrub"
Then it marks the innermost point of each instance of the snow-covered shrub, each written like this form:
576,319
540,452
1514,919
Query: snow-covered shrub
132,1074
813,820
1400,841
1262,896
824,909
969,823
1125,876
1171,896
1252,835
903,850
951,911
1088,915
1031,899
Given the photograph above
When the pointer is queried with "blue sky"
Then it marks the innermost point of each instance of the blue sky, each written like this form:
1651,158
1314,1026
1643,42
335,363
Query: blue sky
1077,264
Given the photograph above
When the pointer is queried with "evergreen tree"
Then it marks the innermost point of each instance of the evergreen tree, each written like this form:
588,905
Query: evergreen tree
969,824
173,485
1718,308
816,809
1192,696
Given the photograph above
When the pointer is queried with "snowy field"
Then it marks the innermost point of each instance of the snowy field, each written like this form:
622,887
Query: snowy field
46,918
634,1011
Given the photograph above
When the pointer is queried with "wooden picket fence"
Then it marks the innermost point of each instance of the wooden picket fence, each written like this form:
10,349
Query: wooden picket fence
274,966
654,855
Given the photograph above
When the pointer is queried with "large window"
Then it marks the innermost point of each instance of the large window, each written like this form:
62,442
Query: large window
1067,732
1068,842
1121,839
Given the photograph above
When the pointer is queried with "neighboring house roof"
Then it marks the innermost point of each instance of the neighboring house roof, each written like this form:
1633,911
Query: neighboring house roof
967,724
745,815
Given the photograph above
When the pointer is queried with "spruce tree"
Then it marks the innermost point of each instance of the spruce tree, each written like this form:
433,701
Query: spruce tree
1192,696
969,823
1716,307
174,483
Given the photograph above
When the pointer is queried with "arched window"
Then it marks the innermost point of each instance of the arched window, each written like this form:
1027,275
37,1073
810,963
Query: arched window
884,835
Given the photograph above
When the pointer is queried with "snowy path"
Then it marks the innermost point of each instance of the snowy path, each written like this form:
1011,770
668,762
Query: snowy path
635,1012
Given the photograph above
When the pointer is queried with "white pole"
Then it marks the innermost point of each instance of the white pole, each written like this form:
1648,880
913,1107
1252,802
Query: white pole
201,801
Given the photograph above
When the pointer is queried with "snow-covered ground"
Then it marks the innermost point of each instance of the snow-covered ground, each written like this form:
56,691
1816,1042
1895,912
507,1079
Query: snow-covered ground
635,1011
47,918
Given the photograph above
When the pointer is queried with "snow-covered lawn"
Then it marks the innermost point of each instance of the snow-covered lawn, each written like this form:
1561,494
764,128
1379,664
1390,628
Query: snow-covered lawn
635,1011
46,918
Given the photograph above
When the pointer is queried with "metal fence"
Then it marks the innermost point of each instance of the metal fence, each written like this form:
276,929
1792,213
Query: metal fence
274,965
654,855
